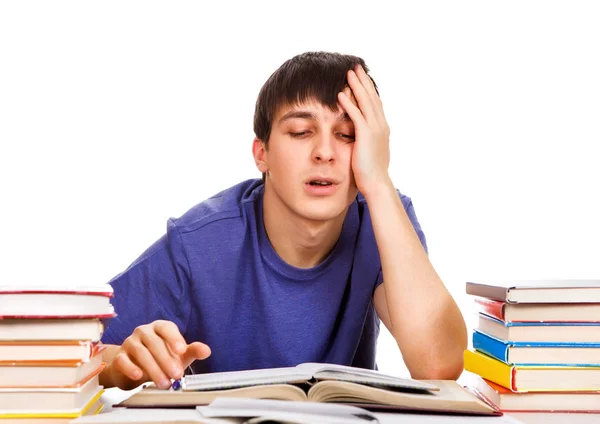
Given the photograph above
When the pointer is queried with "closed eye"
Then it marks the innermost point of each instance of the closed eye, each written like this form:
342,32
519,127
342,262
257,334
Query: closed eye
299,134
348,137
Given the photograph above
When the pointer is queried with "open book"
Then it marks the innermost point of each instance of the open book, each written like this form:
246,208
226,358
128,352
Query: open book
240,411
317,383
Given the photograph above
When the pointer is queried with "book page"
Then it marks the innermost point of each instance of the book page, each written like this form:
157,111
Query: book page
363,376
287,411
154,397
450,398
228,380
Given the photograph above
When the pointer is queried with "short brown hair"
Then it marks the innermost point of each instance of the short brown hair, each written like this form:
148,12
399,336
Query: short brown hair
312,75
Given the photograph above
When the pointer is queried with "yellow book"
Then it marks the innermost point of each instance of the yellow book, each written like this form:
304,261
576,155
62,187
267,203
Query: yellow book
91,406
538,378
488,368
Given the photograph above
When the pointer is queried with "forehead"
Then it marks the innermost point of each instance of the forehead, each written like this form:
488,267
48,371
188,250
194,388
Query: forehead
312,110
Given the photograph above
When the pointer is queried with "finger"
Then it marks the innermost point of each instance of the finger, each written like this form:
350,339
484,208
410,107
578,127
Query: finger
367,82
126,367
348,92
170,333
144,359
168,362
353,111
195,351
365,103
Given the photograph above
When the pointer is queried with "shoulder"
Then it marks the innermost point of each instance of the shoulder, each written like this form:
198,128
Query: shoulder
222,209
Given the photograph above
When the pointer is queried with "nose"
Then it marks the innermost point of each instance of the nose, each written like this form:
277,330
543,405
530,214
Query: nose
323,148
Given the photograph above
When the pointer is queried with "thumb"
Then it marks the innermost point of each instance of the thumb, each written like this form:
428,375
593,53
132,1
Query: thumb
195,351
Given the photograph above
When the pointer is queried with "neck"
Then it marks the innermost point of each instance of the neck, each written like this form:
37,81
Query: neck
300,242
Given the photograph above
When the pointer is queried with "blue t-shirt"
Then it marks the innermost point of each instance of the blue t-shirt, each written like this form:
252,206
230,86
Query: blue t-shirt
216,275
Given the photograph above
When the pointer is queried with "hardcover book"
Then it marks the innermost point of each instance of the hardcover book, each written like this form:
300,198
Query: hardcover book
532,353
519,378
538,291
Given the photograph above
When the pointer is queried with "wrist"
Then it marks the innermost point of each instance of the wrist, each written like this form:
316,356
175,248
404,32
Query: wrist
377,186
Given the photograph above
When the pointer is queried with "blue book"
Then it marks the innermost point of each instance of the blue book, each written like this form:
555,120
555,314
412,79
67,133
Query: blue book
537,353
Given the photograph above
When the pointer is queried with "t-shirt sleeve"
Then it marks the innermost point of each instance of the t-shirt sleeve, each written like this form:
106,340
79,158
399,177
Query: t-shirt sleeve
154,287
410,211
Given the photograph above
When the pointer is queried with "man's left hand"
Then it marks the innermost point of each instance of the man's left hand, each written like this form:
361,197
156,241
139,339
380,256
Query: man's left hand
371,155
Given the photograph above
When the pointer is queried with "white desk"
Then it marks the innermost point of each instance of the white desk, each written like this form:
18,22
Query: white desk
113,396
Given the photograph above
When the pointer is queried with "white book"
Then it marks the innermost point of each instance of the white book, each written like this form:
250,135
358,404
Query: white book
55,301
537,291
50,329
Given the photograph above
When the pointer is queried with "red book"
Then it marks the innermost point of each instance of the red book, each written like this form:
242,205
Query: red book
538,312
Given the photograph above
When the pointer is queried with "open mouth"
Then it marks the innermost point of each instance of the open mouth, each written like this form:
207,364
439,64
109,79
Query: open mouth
318,183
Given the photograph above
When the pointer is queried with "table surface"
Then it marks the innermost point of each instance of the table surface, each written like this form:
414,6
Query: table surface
113,396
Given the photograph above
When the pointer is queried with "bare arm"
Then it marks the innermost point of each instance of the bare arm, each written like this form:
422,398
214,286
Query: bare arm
412,302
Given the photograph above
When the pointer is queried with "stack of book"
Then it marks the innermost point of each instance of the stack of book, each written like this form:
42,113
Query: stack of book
537,345
50,356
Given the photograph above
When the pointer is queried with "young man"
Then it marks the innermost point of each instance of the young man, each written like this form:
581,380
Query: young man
300,266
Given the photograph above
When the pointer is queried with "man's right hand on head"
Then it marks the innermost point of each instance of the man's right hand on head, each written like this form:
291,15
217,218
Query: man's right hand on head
155,351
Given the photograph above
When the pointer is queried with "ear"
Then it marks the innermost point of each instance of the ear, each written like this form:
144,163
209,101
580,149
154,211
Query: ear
259,151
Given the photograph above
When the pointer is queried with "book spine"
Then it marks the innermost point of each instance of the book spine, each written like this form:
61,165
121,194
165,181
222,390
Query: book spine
492,308
489,368
490,346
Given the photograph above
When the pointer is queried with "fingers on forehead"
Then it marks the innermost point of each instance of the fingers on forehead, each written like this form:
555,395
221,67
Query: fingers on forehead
348,92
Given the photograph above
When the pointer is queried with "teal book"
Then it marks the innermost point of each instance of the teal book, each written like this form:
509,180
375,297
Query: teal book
536,353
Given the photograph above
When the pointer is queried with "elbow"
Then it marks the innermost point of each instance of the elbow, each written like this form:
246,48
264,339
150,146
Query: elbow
440,368
450,372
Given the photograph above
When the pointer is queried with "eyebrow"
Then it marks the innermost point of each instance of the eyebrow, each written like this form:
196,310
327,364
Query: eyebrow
301,114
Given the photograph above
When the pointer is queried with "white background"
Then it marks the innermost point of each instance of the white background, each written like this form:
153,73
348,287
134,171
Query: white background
115,116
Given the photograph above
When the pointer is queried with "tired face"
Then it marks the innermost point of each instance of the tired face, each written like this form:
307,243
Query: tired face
309,160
